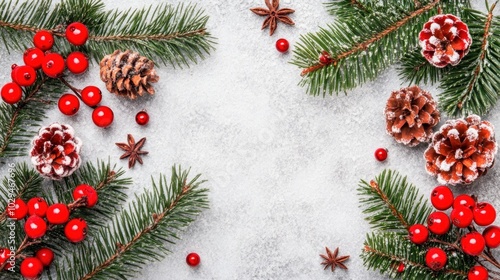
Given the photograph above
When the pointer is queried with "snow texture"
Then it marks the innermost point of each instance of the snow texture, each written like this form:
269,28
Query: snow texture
282,167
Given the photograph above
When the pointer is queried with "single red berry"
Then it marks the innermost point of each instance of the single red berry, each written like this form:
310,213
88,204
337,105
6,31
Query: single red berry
438,223
76,230
77,62
77,33
325,58
282,45
464,200
418,234
473,243
37,206
45,255
57,214
102,116
381,154
68,104
53,65
23,75
461,216
87,191
91,95
435,259
5,255
44,40
142,118
35,227
18,210
11,93
33,57
442,198
484,214
401,267
492,236
31,268
477,273
193,259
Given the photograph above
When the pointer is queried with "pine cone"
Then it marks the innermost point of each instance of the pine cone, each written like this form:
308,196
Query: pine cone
55,151
445,39
461,151
128,74
410,115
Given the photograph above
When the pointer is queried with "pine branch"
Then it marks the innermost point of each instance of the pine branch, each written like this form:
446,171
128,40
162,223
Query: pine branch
415,69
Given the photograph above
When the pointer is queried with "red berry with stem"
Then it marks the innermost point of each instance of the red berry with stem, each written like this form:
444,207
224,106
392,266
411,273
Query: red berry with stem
57,214
435,259
45,255
418,234
102,116
68,104
53,65
381,154
193,259
77,33
35,227
492,236
442,198
142,118
11,93
477,273
472,243
31,268
401,267
44,40
325,58
18,210
461,216
84,190
91,95
76,230
282,45
438,223
37,206
484,214
77,62
33,57
464,200
23,75
5,254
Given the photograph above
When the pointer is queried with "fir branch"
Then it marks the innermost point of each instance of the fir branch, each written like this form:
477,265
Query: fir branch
415,69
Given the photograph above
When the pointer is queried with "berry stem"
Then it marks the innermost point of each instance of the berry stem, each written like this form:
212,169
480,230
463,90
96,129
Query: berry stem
18,254
75,90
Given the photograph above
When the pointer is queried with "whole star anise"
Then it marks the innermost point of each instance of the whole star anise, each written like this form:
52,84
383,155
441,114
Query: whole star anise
132,150
273,15
333,260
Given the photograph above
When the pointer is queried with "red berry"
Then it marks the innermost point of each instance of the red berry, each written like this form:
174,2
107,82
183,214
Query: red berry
43,40
492,236
31,268
18,210
33,57
464,200
57,214
461,216
53,65
68,104
193,259
477,273
438,223
472,243
142,118
442,198
11,93
23,75
484,214
77,62
325,58
87,191
45,255
401,267
418,234
102,116
381,154
76,230
282,45
435,259
5,255
77,33
37,206
91,95
35,227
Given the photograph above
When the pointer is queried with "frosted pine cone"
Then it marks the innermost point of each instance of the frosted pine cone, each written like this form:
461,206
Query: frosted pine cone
410,115
55,151
461,151
445,39
128,74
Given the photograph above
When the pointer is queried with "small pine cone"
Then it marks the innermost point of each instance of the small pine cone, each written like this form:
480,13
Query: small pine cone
55,151
410,115
128,74
445,39
461,151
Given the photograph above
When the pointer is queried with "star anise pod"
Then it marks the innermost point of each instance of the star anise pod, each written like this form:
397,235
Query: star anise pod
333,260
273,15
132,150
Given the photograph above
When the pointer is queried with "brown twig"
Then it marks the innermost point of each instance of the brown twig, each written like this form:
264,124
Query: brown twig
358,5
393,209
18,254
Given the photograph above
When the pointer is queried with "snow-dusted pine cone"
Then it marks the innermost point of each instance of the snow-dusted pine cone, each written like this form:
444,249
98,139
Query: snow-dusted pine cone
128,74
55,151
461,151
445,39
410,115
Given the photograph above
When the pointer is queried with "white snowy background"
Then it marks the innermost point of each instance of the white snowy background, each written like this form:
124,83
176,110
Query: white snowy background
282,167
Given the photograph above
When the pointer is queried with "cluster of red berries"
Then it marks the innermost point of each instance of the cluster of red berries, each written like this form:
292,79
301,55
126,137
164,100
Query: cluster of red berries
31,267
465,212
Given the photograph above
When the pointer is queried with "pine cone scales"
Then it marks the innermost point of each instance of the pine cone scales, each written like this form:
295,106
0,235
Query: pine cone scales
128,74
461,151
411,113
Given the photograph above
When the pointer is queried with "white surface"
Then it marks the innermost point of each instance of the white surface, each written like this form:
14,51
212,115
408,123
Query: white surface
282,167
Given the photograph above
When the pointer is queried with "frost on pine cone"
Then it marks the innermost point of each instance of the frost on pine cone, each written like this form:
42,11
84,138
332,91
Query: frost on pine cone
55,151
445,39
410,115
128,74
461,151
